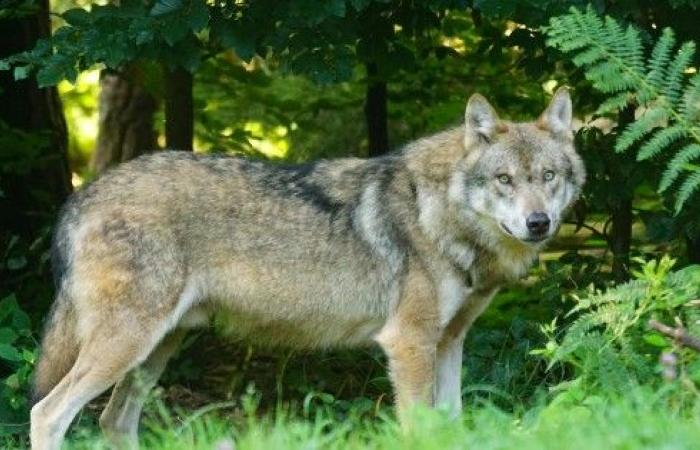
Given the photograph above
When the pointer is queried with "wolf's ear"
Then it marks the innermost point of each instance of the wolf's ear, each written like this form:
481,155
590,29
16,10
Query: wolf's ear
558,115
480,118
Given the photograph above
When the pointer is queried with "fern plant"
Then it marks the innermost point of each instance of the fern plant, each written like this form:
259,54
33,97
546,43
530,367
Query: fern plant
608,343
667,97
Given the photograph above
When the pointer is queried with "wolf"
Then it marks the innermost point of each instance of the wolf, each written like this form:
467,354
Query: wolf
403,250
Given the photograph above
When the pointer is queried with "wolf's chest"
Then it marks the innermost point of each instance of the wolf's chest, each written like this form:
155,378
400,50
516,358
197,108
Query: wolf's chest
460,286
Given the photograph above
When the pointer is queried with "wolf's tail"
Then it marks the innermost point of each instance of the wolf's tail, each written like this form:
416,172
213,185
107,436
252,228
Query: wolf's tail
59,348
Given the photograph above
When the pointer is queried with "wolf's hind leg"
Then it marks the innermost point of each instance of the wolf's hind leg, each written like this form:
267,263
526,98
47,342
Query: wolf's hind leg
102,361
120,419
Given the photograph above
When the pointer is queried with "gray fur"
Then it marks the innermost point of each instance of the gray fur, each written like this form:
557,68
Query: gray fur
404,250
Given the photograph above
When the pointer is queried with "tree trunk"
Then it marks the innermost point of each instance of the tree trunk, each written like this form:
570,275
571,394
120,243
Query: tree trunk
31,197
693,249
621,215
375,112
179,110
621,239
125,120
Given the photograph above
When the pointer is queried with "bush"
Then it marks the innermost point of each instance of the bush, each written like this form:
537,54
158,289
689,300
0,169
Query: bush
609,346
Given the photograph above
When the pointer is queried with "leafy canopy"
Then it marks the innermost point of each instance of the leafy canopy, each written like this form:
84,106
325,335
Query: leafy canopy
319,39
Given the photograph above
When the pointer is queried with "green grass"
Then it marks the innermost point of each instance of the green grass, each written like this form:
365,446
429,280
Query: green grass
639,420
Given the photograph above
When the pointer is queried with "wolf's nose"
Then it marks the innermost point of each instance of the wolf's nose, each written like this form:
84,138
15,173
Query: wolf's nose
537,223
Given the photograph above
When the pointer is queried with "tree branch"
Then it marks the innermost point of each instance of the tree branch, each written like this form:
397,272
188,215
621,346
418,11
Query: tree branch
679,334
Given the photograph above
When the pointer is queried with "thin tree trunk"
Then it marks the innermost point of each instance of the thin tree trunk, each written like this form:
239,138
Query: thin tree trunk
622,217
621,239
693,249
31,197
125,120
375,112
179,110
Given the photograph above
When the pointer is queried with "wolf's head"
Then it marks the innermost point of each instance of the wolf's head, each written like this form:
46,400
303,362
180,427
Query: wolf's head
517,179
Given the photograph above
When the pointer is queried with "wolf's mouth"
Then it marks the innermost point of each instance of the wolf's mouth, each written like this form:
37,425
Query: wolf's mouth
531,240
537,239
506,229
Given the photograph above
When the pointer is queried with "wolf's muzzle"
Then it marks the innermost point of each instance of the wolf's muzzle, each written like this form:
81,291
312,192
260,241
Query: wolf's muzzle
537,223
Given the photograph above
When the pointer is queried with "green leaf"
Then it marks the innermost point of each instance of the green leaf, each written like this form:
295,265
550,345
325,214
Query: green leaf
198,17
660,141
8,306
174,30
77,17
233,35
162,7
687,189
7,335
21,321
677,165
359,5
656,340
614,103
640,128
16,263
29,355
336,8
13,381
9,353
21,72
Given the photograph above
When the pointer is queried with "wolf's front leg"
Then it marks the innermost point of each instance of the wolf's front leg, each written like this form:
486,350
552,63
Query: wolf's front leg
448,383
450,349
409,338
412,357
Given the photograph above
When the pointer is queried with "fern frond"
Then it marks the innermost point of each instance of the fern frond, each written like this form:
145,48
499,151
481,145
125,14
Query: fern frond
607,77
690,103
615,103
678,165
687,189
661,140
658,66
640,128
673,85
613,59
588,56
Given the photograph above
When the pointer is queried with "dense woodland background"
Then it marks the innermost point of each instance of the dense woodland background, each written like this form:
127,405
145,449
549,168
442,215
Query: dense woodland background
85,86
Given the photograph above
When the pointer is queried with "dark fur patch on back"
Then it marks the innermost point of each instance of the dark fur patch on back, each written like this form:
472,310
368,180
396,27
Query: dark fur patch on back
296,181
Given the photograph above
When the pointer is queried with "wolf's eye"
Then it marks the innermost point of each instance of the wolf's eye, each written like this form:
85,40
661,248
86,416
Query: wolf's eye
548,175
504,178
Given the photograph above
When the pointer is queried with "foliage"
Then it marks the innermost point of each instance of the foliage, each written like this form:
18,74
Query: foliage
639,419
17,356
290,117
23,271
321,40
531,12
609,345
21,150
23,276
667,99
